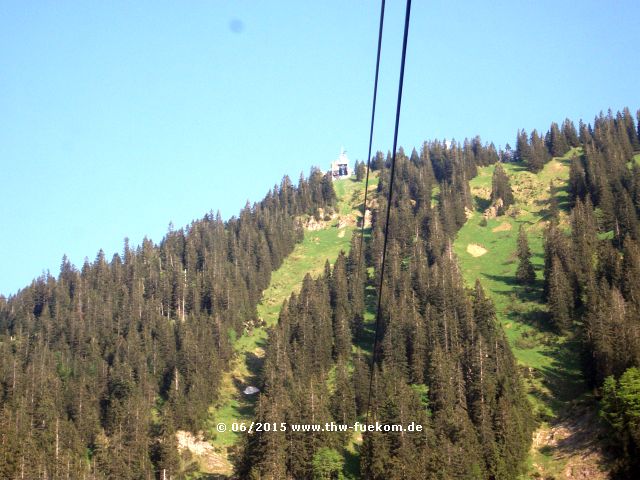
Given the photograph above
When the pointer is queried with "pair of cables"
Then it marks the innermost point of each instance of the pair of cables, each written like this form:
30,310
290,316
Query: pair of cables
376,338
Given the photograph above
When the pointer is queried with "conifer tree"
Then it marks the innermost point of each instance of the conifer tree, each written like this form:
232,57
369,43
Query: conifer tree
361,170
501,192
560,296
570,133
525,274
584,133
523,149
577,180
556,141
555,244
583,241
631,273
167,458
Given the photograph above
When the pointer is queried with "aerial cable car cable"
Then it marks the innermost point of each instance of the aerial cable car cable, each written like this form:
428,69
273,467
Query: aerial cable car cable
373,116
389,198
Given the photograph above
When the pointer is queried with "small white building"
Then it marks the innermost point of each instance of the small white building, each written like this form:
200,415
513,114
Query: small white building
340,167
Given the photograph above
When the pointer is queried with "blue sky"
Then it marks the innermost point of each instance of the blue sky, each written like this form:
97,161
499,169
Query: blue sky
119,117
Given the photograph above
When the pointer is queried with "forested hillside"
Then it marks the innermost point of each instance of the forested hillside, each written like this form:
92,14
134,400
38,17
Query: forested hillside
100,366
592,276
444,362
540,301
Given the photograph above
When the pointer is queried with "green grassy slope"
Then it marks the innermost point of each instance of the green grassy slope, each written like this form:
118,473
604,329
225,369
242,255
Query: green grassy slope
549,362
309,256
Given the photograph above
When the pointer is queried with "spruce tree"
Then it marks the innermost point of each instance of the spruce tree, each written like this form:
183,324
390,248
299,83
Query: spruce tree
583,240
361,171
631,273
556,141
570,133
525,274
523,149
167,459
577,180
501,189
560,296
539,153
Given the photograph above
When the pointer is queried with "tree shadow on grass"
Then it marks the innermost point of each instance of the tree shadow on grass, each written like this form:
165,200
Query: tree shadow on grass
518,167
564,201
545,214
588,433
561,376
481,203
254,363
525,293
506,279
246,404
352,462
565,370
364,338
535,318
546,399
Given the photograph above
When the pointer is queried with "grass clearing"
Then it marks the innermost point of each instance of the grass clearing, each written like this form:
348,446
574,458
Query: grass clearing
309,256
549,362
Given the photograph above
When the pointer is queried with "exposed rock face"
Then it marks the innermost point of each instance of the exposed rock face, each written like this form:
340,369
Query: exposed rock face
468,213
495,209
347,221
210,461
575,441
318,222
367,219
313,225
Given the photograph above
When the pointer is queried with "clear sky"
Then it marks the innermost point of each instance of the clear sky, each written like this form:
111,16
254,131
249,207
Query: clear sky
119,117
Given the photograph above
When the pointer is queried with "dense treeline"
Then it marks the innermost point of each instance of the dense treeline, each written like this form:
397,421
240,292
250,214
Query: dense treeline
443,361
592,274
534,150
100,366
